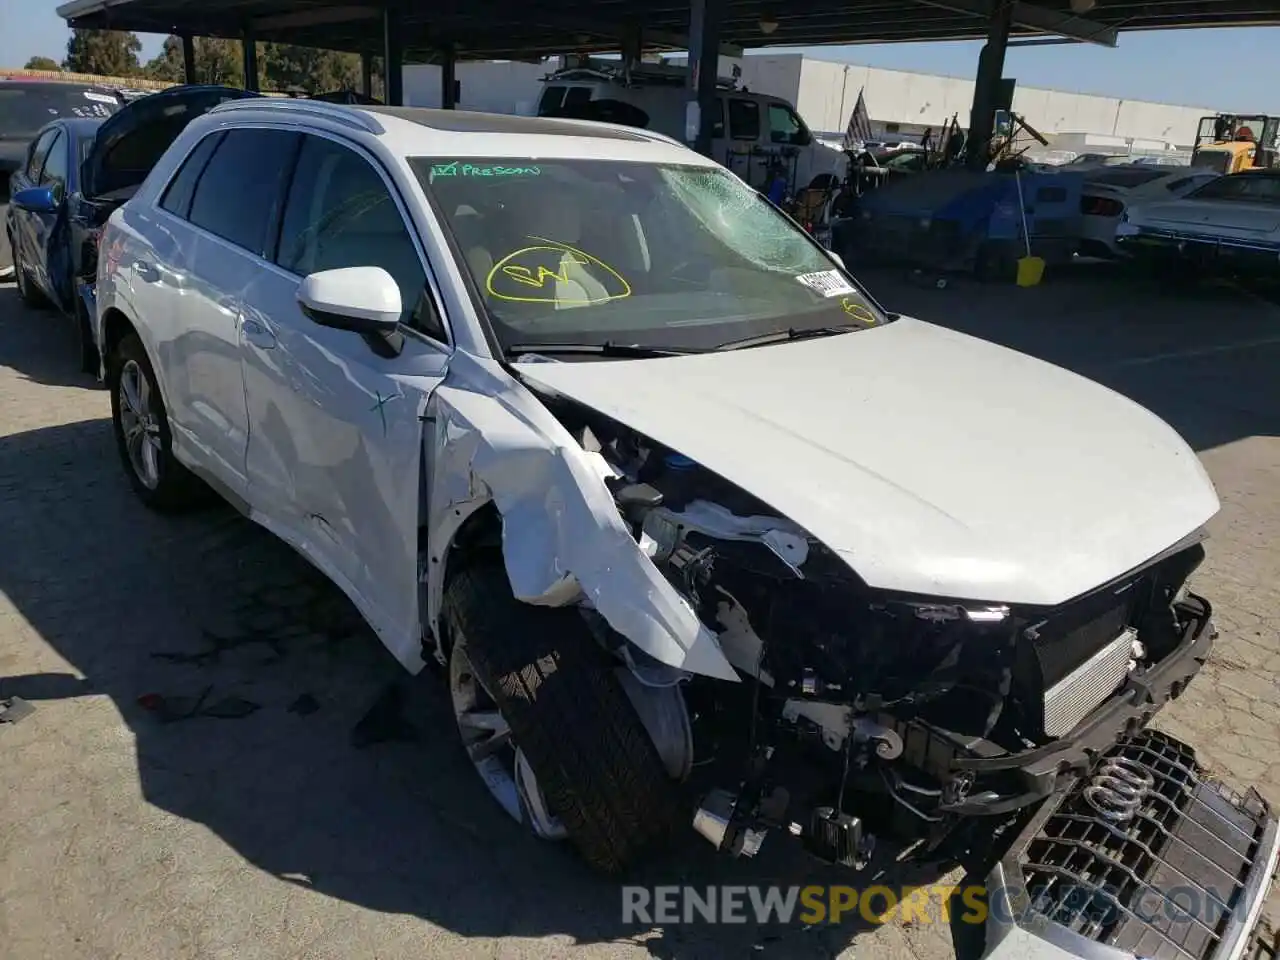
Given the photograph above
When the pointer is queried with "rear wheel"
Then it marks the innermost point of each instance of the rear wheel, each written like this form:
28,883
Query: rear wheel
548,725
143,438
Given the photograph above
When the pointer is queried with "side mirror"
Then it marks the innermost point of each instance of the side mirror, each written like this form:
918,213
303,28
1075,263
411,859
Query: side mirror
35,200
363,300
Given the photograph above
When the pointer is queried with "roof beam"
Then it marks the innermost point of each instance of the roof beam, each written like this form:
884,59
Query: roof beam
673,39
321,16
1030,17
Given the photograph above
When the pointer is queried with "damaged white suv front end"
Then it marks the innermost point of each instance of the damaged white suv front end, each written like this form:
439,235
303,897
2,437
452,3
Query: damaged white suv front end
707,538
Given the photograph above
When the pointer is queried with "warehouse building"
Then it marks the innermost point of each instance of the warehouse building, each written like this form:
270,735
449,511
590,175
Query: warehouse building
902,104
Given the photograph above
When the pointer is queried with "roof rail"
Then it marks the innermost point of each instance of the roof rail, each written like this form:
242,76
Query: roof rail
337,112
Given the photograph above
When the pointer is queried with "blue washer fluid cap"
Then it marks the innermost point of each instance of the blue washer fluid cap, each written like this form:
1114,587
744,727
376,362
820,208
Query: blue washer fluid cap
677,462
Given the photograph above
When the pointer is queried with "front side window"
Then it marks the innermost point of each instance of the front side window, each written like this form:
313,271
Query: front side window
237,191
596,251
39,153
785,127
56,164
339,213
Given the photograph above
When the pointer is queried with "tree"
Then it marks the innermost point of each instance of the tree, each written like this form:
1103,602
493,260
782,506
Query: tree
286,66
110,53
42,63
217,61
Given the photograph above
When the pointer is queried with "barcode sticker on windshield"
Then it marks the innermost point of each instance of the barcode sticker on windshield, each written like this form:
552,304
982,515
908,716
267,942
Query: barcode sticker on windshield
828,283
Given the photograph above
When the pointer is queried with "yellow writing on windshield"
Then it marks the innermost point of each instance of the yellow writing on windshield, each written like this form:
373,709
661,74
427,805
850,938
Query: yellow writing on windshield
523,274
856,310
553,272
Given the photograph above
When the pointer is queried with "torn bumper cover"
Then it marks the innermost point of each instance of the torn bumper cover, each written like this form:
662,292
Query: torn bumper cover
1143,857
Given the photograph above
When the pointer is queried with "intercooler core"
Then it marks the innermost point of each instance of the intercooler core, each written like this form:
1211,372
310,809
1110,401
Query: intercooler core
1074,659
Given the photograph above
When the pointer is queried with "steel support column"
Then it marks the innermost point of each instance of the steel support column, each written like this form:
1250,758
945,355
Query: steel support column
986,90
189,57
250,61
366,74
704,68
448,78
393,55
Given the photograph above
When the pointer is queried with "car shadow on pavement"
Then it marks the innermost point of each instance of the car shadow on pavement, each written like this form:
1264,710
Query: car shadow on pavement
27,348
243,677
1203,357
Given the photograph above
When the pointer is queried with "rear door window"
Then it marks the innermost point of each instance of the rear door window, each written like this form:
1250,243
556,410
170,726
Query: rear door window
237,194
177,196
744,119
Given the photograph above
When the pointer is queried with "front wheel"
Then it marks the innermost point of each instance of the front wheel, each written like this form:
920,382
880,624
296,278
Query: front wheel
548,725
141,426
27,290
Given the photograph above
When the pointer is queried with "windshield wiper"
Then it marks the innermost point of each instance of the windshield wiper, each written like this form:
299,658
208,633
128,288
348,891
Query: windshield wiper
784,336
606,349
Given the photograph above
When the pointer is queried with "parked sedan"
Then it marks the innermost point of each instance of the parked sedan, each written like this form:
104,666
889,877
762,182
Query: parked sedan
76,172
1112,190
1231,224
25,106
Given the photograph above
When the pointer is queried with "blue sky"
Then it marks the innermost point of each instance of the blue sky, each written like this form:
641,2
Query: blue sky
1225,69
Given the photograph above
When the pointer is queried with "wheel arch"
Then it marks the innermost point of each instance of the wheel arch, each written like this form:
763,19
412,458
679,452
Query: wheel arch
115,327
471,532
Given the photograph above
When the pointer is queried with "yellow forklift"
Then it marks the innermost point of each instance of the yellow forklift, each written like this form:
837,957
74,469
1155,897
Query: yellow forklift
1230,143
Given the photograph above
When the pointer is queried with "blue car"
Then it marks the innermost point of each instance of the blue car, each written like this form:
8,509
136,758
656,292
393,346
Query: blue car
25,107
76,173
44,195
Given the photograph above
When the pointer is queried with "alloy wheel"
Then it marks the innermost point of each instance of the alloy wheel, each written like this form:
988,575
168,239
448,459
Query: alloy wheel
139,424
498,760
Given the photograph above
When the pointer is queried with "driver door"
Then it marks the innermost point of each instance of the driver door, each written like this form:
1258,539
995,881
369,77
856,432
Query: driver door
30,228
52,254
335,439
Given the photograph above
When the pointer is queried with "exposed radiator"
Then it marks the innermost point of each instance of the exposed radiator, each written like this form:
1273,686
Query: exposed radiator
1071,699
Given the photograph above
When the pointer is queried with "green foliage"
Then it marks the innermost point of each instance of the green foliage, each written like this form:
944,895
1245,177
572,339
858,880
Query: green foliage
282,67
109,53
217,61
42,63
286,66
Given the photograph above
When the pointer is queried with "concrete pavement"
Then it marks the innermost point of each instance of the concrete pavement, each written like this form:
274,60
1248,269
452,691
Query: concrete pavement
275,836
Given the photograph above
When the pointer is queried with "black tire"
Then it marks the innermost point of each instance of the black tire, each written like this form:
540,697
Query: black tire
177,488
31,296
556,689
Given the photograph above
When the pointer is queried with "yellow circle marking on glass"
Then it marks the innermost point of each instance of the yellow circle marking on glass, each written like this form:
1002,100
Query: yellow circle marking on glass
535,276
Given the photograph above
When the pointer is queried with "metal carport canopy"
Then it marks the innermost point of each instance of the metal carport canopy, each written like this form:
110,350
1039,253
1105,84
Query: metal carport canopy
515,29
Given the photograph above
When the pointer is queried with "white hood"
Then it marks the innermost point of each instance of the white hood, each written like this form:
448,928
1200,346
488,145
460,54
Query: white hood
932,462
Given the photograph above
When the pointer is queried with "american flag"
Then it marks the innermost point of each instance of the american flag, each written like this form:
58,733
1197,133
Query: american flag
859,129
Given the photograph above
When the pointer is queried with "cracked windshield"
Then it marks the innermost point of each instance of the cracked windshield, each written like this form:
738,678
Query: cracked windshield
612,253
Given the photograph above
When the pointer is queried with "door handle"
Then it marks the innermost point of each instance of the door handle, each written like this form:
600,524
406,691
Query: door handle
257,334
147,272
